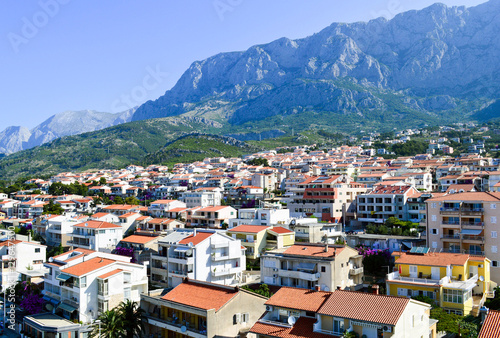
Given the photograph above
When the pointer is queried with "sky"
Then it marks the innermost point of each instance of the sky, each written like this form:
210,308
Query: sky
109,56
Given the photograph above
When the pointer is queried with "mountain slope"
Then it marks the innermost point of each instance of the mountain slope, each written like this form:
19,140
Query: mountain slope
440,62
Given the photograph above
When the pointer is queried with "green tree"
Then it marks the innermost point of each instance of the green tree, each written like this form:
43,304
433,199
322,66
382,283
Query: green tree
53,208
258,161
131,200
111,326
131,313
118,200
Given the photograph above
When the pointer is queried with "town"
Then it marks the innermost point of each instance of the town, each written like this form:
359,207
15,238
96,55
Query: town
291,242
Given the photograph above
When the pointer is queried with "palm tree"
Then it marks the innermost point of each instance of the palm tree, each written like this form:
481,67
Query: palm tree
111,326
131,315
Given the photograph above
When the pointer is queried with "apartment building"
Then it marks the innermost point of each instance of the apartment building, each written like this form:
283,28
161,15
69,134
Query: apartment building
25,257
204,255
383,202
311,265
96,235
467,222
161,207
293,312
459,283
82,284
210,217
259,238
261,216
204,197
329,198
201,309
57,229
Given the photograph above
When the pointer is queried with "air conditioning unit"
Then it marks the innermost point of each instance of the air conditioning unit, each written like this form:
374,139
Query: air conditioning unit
275,275
480,265
387,328
275,269
269,308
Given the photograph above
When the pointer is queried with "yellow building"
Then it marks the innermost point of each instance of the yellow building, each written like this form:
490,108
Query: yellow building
257,238
459,283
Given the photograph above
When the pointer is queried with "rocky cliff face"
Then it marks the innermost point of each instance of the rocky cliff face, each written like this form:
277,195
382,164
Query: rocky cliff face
433,58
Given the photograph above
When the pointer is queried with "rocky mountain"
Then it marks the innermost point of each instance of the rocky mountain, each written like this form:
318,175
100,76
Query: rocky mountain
441,63
14,139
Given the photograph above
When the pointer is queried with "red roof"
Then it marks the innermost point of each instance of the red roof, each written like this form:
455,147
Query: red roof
200,237
491,325
299,299
202,296
303,328
249,228
139,239
109,274
281,230
97,225
367,307
313,250
88,266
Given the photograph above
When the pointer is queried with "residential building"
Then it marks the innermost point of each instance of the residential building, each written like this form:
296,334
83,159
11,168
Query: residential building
21,259
96,235
309,265
293,312
82,284
261,216
383,202
210,217
160,207
466,222
201,309
384,242
329,198
205,255
459,283
259,238
310,231
204,197
57,229
139,247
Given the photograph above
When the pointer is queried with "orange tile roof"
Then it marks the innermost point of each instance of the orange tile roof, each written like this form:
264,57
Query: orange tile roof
249,228
469,196
299,299
128,214
88,266
100,214
139,239
120,207
433,259
312,251
200,237
491,325
163,202
202,296
79,250
303,328
10,242
96,225
364,306
281,230
217,208
109,274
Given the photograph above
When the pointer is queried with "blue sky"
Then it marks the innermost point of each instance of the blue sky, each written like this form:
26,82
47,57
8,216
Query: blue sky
58,55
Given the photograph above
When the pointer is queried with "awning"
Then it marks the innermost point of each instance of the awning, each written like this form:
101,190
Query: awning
306,266
407,244
474,232
64,277
181,249
51,300
66,307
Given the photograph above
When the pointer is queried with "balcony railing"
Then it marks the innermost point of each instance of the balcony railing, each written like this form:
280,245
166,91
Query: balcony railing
457,237
356,271
473,238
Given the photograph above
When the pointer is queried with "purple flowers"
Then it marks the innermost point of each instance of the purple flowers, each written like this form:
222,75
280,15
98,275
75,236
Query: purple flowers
366,252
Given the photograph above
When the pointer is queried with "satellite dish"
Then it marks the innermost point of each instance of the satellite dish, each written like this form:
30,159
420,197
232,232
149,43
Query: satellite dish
190,244
189,252
86,224
318,274
481,278
292,320
183,328
51,259
49,307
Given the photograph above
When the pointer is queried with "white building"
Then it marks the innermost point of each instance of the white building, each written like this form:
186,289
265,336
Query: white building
204,197
96,235
255,216
84,283
205,255
160,207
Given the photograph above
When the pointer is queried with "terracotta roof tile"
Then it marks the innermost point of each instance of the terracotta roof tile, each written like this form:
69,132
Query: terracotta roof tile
96,225
139,239
469,196
303,328
198,238
249,228
109,274
280,230
491,325
365,306
88,266
299,299
312,250
202,296
433,259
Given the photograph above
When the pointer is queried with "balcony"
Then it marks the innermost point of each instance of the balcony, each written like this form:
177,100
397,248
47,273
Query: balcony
472,212
473,225
181,259
451,238
449,211
220,245
176,326
472,238
216,258
371,220
355,271
309,276
395,276
179,273
224,272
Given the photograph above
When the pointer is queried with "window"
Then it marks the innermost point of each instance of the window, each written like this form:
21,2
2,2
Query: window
433,205
494,264
338,326
494,249
493,219
493,206
102,306
456,296
434,218
102,286
493,234
435,231
434,245
323,269
83,281
37,250
127,294
39,261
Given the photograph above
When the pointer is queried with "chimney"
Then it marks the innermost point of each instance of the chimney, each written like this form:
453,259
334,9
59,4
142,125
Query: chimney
326,247
194,232
339,288
317,288
375,289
